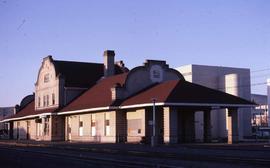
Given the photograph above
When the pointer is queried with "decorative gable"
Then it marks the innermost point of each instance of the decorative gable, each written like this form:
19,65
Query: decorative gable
139,78
47,86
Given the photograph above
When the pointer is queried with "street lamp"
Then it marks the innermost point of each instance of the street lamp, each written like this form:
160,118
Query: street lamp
153,138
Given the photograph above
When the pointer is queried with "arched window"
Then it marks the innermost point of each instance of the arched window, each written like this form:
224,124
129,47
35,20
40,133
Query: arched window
44,101
47,100
38,101
46,78
53,98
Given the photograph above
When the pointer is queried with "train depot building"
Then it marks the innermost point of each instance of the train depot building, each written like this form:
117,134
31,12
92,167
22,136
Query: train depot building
108,103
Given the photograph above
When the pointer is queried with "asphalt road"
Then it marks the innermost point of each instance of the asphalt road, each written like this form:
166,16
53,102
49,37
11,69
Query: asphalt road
81,156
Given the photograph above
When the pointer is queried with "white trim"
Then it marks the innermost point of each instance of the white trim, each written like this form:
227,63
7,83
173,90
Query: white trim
141,105
187,104
88,110
210,104
26,117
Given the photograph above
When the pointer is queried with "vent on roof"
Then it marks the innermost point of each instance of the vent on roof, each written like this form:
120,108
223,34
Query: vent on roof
116,92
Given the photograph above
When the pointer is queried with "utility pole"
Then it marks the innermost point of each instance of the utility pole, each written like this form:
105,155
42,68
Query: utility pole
153,138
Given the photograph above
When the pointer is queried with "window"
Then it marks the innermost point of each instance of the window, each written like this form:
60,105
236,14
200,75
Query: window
156,74
107,124
93,125
44,101
47,100
46,126
39,127
81,124
53,98
38,101
107,127
18,130
134,127
81,128
46,78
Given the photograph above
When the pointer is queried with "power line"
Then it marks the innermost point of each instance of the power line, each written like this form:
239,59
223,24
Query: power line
260,70
249,76
241,86
258,76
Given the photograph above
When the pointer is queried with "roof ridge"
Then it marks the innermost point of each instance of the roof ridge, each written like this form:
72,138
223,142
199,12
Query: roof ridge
76,62
172,88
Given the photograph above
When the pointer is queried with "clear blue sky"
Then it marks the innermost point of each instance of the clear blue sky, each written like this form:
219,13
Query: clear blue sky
232,33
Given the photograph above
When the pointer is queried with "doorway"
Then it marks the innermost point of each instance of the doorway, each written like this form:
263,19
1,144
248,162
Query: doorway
27,130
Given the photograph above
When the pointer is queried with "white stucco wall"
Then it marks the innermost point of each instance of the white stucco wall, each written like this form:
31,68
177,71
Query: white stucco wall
98,132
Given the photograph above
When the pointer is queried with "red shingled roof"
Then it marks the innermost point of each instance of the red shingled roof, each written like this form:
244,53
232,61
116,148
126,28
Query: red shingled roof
180,91
174,91
29,109
97,96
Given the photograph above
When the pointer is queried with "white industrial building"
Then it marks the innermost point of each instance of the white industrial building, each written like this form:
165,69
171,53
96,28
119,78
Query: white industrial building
235,81
260,112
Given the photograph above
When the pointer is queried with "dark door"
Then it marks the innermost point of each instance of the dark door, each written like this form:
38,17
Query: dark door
27,130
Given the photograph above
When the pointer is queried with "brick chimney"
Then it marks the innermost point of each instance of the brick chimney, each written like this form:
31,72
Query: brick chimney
108,63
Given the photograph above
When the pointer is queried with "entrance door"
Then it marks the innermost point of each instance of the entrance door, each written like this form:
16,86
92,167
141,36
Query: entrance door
11,130
27,130
18,130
